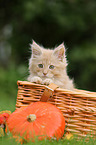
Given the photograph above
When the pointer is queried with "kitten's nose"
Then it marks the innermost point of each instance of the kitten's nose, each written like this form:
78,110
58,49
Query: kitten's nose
44,73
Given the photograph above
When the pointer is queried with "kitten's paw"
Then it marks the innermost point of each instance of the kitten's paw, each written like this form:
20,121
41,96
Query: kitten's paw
36,80
47,81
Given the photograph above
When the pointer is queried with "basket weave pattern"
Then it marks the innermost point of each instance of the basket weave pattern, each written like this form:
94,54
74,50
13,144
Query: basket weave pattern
78,106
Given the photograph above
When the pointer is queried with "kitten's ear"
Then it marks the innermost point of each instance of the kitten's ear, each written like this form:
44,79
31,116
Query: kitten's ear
60,52
36,49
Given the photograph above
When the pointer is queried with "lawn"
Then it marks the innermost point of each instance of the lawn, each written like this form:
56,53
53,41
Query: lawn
8,94
7,141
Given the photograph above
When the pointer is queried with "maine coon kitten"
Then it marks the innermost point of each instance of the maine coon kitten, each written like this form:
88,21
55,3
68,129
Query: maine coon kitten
49,66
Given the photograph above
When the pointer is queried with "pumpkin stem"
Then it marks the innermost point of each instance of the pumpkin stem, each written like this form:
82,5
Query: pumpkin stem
31,117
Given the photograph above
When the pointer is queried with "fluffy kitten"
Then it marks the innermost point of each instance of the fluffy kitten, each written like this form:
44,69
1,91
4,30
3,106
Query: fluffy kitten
49,66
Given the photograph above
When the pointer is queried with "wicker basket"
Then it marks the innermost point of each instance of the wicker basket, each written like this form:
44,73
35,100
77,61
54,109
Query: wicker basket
78,106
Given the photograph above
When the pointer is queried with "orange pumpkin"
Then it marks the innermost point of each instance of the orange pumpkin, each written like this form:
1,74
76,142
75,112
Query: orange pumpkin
39,119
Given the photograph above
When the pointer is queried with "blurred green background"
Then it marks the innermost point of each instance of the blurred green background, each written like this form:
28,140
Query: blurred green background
48,22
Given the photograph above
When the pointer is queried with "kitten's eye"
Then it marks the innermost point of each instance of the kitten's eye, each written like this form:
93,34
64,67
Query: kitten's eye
51,66
40,65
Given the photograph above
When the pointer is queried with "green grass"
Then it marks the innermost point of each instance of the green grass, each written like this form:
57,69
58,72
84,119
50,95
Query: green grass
10,141
8,94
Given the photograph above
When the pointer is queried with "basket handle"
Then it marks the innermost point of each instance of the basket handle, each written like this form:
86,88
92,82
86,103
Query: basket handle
48,92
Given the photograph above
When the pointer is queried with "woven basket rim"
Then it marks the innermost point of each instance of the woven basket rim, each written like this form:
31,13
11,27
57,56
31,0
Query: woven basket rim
75,92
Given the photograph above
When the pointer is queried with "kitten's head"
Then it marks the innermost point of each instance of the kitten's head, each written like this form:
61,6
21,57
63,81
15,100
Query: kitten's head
47,63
